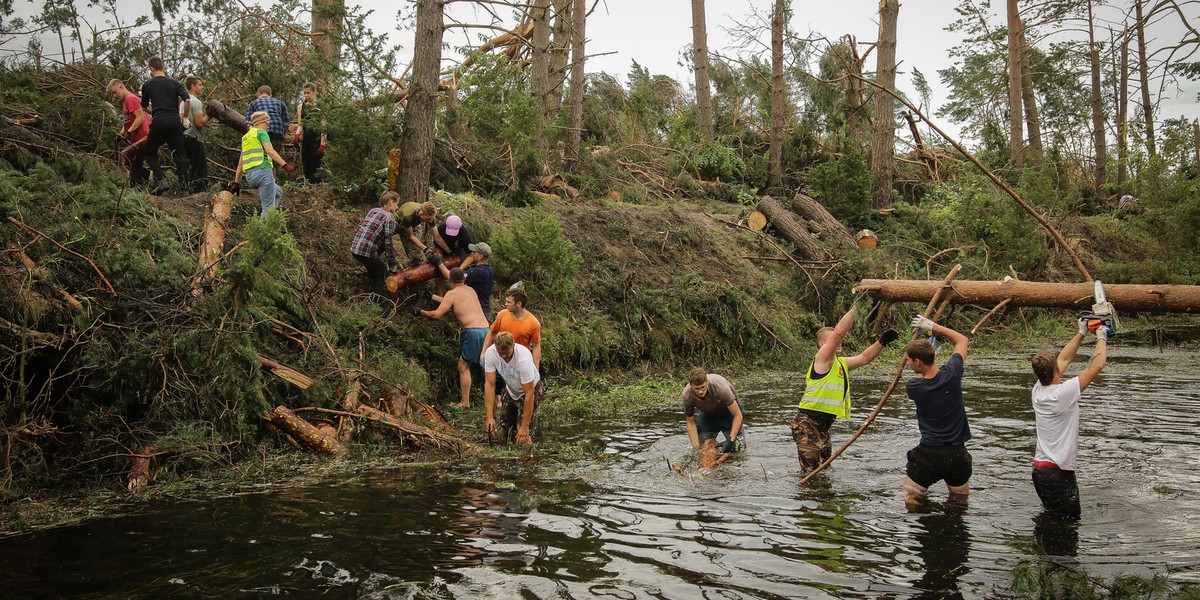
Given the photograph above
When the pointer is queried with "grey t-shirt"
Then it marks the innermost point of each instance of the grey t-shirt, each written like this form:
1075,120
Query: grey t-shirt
192,130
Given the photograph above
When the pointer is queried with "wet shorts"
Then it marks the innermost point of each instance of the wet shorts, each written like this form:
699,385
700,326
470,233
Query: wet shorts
813,442
928,465
471,344
1058,490
708,426
512,411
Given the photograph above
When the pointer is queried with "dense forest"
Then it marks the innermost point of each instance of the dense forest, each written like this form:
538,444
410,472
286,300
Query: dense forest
616,198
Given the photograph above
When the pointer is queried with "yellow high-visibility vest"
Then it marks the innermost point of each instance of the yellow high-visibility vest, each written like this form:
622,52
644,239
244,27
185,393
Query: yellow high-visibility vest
829,394
253,154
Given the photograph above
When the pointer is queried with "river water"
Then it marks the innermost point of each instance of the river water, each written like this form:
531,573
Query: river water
623,525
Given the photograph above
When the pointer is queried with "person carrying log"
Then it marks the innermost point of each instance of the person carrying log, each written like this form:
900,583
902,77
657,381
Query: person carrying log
481,277
941,416
1056,410
372,243
827,391
164,94
194,119
711,407
524,389
136,126
409,216
255,162
465,304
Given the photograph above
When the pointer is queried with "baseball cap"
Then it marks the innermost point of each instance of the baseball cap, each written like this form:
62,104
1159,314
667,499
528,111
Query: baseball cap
482,248
453,225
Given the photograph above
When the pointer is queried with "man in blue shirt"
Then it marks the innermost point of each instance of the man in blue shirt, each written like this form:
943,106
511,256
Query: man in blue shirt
278,111
941,417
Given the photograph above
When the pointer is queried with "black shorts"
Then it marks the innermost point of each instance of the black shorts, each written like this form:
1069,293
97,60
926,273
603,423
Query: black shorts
1058,490
928,465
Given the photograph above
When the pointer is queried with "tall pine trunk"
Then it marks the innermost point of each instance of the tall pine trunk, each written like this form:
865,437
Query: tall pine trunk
778,97
1098,139
420,118
854,98
539,78
327,25
578,80
560,49
1123,111
1016,135
1144,75
704,110
883,149
1032,121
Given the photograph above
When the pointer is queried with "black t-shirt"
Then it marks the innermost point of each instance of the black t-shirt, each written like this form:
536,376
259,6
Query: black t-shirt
941,415
457,243
164,94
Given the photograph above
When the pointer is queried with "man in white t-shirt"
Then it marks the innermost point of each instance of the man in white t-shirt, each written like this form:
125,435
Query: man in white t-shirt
1056,407
523,387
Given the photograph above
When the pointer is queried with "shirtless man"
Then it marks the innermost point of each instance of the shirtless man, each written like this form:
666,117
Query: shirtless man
465,304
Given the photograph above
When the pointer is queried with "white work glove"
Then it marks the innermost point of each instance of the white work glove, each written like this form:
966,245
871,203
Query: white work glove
1083,326
1102,333
921,323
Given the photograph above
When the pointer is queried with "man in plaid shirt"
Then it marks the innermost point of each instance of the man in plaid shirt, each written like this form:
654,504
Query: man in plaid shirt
273,107
374,236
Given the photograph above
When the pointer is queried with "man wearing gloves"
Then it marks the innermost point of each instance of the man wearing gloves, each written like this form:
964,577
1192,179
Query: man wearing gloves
1056,406
827,391
712,407
372,243
941,416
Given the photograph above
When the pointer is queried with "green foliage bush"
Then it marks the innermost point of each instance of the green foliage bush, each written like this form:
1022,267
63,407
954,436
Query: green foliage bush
717,162
843,184
532,249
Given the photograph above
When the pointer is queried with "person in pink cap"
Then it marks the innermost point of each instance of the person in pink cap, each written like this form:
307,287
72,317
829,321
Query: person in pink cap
452,238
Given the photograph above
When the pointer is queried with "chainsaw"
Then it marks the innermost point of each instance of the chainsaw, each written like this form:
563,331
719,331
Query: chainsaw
1103,314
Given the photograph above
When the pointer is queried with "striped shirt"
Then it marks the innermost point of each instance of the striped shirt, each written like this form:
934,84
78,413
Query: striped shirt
375,234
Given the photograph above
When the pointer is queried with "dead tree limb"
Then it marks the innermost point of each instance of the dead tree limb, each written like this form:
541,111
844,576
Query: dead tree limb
22,225
1002,304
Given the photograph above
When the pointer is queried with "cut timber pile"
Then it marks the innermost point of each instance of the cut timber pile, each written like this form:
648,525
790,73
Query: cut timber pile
1078,296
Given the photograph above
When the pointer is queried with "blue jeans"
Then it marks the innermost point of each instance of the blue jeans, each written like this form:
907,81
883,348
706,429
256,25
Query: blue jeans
269,192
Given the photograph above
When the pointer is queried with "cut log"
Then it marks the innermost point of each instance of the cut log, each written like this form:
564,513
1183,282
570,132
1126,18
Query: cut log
286,373
1077,296
216,224
866,239
821,221
756,221
421,273
345,430
555,183
415,431
306,433
215,109
139,471
791,229
395,403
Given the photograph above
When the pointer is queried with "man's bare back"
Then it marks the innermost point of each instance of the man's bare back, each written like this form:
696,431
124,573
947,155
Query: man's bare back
465,304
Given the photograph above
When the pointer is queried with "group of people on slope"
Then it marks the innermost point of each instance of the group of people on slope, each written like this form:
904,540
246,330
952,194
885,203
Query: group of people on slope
510,347
178,118
711,407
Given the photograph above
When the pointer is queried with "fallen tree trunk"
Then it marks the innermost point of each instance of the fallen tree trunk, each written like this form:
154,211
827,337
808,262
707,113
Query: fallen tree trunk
306,433
215,109
345,431
421,273
791,229
1078,296
286,373
213,244
413,430
826,224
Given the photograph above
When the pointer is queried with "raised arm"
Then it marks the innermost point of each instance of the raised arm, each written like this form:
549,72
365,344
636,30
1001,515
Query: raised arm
1099,358
824,358
1067,354
959,340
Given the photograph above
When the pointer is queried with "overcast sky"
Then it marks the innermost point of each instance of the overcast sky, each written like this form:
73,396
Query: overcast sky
655,32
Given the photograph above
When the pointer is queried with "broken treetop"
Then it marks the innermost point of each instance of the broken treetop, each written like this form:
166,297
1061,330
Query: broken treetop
164,94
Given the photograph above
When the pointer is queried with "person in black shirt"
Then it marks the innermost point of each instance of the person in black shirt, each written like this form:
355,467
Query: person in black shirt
163,94
453,238
941,417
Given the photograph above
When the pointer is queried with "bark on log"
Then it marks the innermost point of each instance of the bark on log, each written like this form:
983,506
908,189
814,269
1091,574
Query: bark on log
421,273
228,117
395,403
345,430
306,433
139,471
791,229
213,244
413,430
1078,296
824,223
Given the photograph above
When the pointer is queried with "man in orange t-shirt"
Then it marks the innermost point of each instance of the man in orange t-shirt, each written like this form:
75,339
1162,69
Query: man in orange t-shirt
524,327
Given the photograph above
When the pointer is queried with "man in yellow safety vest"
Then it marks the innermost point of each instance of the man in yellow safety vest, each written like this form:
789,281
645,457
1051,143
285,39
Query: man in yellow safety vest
255,162
827,391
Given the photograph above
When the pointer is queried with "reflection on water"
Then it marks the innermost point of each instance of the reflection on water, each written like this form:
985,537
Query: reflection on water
626,526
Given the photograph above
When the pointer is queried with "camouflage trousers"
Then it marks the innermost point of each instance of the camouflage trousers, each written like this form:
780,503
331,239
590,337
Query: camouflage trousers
813,444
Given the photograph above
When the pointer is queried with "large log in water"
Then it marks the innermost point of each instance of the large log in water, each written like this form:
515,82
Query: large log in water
791,229
306,433
1126,297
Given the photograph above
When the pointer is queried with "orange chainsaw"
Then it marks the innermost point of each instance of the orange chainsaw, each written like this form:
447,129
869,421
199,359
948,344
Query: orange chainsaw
1103,313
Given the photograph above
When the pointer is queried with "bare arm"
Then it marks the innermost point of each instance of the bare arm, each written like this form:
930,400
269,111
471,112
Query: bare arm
412,237
489,398
441,310
270,150
865,357
824,358
487,343
237,174
692,432
523,435
736,411
1067,354
139,117
1092,370
536,349
959,340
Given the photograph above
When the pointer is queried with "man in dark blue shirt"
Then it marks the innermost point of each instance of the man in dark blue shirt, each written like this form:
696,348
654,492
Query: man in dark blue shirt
480,275
162,95
941,417
265,102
